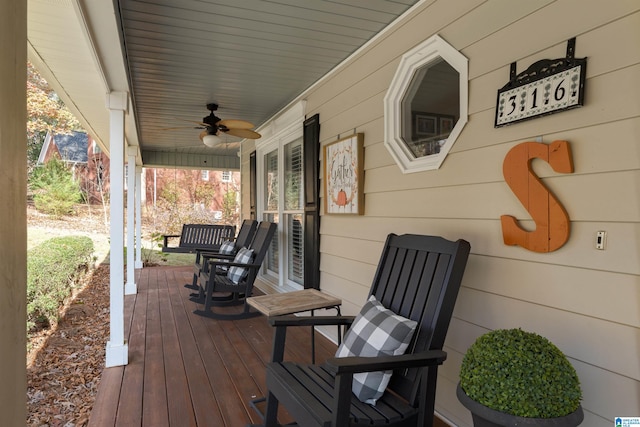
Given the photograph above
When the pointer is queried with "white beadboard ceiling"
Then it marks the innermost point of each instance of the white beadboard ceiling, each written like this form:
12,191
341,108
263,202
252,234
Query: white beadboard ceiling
252,57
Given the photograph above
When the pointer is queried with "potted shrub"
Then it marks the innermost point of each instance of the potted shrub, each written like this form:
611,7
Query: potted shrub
510,377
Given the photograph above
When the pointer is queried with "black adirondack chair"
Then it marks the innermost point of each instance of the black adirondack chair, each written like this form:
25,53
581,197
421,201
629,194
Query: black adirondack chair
243,239
213,280
418,277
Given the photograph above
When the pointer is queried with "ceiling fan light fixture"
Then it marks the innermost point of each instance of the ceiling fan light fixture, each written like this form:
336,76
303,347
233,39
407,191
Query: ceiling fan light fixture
211,140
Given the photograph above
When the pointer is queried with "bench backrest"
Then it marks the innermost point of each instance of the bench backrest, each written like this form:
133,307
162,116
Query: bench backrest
205,236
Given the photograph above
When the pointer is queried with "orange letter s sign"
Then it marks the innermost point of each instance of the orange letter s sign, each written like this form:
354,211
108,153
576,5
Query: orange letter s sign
552,221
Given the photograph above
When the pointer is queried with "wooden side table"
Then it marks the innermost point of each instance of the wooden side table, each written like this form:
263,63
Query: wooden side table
291,303
295,302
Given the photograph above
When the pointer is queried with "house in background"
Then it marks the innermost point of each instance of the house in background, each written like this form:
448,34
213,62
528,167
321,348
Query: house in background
71,148
202,189
84,156
213,193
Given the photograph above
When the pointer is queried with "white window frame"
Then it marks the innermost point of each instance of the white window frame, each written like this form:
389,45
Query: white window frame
226,176
428,51
285,129
204,175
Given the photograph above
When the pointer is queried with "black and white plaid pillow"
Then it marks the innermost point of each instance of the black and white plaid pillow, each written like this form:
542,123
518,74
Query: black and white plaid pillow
236,274
227,248
376,331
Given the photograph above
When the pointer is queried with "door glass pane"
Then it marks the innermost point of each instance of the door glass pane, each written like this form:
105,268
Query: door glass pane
271,181
295,248
284,202
293,176
273,254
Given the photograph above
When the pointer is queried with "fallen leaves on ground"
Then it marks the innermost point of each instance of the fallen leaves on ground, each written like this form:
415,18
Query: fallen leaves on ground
65,364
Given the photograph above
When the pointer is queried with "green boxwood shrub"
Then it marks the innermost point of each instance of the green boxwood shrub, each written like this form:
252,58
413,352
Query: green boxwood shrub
52,269
520,373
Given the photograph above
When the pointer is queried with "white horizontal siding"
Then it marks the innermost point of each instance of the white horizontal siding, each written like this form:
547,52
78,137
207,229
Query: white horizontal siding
580,337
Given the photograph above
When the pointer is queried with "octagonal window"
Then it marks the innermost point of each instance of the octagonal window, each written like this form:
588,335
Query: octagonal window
426,105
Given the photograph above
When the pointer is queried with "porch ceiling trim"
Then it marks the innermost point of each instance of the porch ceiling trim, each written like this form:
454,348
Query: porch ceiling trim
181,160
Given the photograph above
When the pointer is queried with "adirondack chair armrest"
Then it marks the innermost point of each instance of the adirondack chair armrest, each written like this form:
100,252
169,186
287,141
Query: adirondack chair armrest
290,320
351,365
281,323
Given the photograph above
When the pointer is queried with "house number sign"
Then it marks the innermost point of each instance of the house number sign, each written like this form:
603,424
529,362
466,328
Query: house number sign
547,86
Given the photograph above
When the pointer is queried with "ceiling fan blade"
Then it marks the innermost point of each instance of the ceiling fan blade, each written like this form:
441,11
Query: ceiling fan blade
202,134
236,124
193,121
244,133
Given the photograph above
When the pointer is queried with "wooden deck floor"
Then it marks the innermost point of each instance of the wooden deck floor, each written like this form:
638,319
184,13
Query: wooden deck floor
187,370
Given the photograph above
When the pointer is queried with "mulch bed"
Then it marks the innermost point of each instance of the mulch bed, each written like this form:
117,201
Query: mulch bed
65,363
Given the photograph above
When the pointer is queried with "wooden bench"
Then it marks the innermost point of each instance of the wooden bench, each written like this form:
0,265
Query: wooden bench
199,236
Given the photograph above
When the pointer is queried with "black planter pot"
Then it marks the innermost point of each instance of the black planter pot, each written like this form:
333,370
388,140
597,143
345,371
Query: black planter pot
487,417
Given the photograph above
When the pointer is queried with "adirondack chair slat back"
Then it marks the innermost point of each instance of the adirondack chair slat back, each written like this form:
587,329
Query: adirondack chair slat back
418,277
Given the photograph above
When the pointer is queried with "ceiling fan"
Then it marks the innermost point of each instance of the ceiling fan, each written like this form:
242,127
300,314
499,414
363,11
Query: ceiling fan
214,126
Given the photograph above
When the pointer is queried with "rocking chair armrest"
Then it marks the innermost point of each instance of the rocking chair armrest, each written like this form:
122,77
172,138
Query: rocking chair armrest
290,320
227,263
344,365
208,255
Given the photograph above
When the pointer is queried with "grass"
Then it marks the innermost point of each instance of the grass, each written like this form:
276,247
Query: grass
157,257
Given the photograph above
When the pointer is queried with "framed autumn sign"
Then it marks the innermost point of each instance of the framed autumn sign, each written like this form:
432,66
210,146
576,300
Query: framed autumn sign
344,176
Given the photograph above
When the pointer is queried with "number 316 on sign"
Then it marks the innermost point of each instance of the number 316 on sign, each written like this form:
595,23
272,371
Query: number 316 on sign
548,95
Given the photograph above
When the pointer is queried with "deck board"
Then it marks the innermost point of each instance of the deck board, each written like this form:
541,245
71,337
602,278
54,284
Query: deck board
107,398
188,370
177,387
154,399
184,369
204,405
130,405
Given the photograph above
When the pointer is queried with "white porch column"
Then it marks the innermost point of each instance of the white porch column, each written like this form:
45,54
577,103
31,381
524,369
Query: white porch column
130,288
117,353
138,216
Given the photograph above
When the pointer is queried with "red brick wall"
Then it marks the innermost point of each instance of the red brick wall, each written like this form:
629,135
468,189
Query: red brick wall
97,164
187,182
